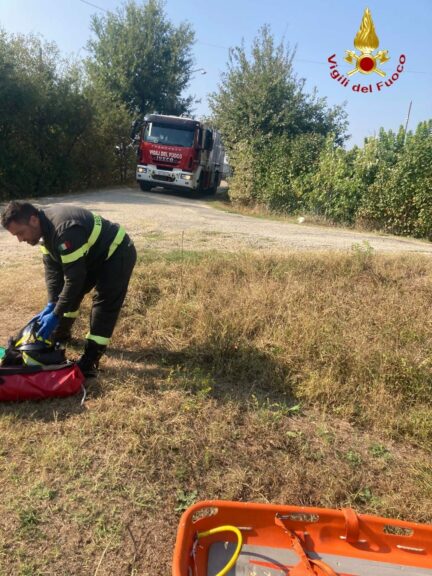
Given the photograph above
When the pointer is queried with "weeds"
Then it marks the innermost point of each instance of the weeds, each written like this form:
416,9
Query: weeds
29,519
379,451
184,500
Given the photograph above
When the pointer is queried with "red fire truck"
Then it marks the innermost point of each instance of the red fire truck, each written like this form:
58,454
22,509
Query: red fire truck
178,154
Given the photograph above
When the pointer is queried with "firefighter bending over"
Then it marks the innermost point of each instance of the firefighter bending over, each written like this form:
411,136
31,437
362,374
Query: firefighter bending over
81,251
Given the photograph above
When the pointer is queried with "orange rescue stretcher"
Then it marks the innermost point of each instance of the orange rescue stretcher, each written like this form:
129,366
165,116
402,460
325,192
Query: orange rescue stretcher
218,538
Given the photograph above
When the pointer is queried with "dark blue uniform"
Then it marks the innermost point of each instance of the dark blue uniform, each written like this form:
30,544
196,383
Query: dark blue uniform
82,251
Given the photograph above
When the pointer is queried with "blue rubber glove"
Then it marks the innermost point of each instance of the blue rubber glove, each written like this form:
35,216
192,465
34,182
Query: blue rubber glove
47,310
47,324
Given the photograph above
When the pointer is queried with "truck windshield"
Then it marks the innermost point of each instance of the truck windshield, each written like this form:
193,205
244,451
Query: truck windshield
162,134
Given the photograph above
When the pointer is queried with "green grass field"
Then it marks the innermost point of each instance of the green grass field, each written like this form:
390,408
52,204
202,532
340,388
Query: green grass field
303,379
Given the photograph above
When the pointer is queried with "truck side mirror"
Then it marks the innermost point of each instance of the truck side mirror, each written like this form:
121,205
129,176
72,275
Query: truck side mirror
199,140
208,142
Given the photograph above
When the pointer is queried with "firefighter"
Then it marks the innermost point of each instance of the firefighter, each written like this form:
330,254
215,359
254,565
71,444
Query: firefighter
81,251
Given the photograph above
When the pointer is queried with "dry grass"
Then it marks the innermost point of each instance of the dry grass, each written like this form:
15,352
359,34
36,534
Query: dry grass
302,380
347,333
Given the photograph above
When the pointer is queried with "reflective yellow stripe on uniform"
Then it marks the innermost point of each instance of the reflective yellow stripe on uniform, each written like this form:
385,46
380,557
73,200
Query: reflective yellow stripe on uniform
45,250
121,233
98,339
96,230
74,256
82,251
74,314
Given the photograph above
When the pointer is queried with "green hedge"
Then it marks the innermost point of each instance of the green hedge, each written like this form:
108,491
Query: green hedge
384,185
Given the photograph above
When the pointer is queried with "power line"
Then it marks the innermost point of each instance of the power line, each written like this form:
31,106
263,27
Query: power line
213,45
94,5
228,48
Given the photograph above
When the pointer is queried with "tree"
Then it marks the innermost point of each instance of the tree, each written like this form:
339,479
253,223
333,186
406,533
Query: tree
273,130
43,114
58,132
261,96
141,58
96,157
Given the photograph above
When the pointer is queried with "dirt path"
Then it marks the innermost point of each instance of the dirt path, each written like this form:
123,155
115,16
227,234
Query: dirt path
162,221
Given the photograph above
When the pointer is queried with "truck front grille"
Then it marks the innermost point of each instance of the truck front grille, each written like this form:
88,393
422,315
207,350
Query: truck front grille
161,167
163,178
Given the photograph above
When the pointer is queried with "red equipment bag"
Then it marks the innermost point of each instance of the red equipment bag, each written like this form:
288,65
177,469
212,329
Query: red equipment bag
38,382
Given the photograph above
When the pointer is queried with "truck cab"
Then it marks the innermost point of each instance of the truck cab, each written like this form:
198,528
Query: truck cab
179,154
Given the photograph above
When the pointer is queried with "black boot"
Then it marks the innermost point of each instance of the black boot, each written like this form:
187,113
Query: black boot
89,361
63,333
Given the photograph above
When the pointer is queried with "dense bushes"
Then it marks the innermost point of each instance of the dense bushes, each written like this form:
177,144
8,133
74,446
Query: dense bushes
399,199
385,185
53,130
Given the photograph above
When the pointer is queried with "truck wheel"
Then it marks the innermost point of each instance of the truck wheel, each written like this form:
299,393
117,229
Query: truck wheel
200,188
215,186
145,186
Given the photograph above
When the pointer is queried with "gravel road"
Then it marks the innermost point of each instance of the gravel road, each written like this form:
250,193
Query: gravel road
162,221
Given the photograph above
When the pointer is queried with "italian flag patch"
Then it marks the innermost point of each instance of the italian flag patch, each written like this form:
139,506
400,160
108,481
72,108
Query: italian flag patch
65,246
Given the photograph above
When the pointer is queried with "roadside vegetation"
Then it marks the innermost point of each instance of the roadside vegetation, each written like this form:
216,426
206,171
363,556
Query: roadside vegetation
302,379
65,122
286,150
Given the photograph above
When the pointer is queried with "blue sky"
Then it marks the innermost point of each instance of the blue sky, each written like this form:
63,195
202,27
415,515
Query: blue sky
319,28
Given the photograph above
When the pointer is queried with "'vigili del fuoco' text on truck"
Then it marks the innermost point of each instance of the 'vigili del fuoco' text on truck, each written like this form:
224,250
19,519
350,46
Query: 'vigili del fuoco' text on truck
178,154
